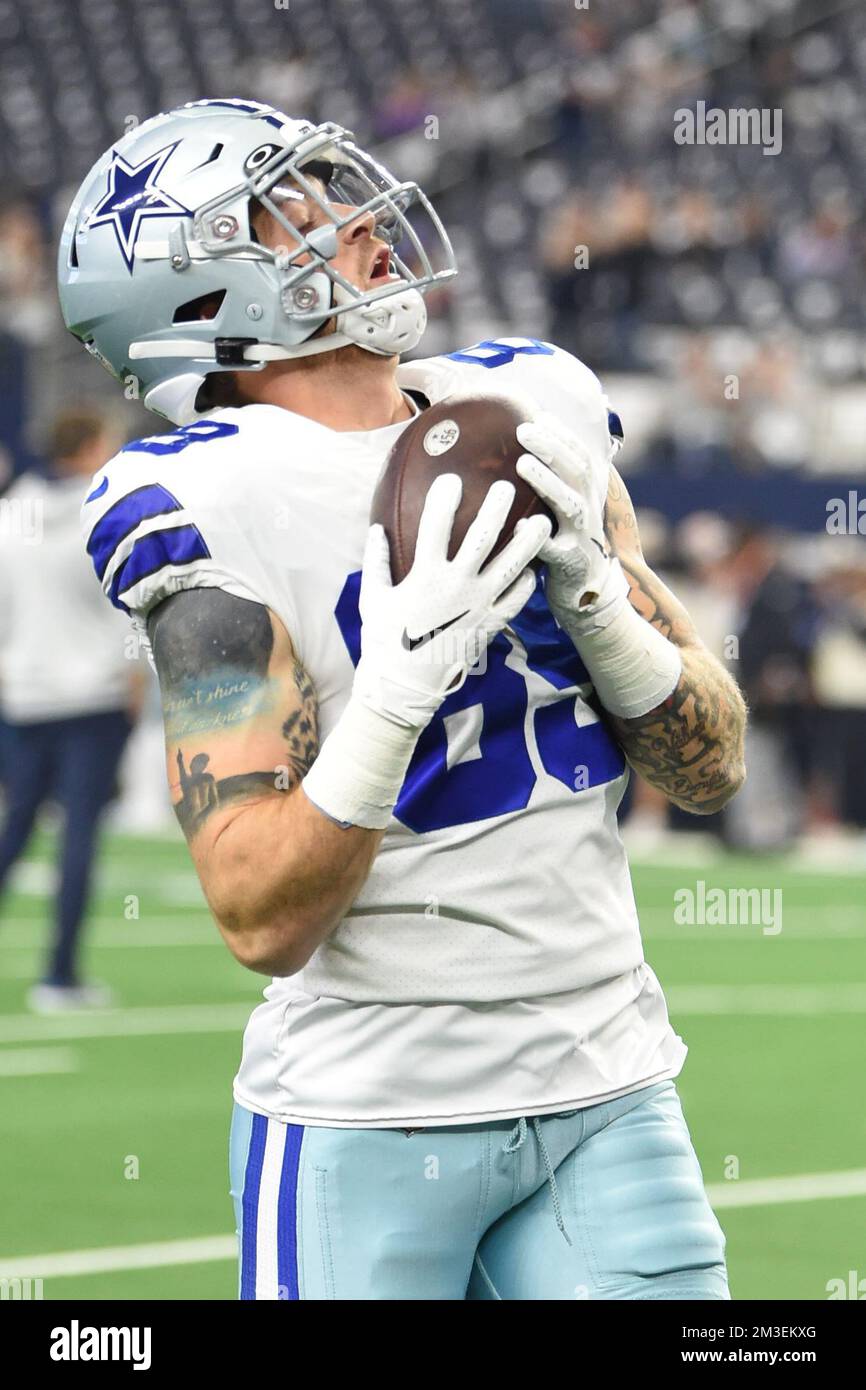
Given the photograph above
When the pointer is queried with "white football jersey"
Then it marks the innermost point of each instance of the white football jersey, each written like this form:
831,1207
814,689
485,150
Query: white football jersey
491,965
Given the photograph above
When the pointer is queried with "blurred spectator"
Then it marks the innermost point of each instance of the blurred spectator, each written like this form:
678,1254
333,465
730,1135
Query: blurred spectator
25,271
777,634
29,318
67,693
819,246
597,254
840,680
748,404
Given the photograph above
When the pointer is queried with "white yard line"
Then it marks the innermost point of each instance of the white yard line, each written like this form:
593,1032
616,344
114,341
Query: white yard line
112,934
849,998
38,878
158,1255
37,1061
804,1187
122,1023
809,860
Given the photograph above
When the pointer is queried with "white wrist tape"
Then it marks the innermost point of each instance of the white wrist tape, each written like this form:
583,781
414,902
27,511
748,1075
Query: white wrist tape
632,666
359,771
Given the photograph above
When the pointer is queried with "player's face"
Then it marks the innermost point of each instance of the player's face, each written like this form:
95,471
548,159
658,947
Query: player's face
362,257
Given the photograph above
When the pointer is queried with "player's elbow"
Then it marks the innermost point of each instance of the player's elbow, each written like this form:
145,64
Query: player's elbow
706,800
734,777
271,923
263,924
280,946
259,953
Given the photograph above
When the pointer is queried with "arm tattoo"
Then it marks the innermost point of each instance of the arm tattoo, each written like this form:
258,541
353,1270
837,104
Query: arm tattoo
691,746
301,729
212,653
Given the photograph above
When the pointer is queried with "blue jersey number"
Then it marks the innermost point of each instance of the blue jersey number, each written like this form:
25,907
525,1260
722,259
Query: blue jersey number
498,775
173,443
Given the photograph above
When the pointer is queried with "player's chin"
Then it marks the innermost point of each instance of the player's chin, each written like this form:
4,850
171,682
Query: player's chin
353,352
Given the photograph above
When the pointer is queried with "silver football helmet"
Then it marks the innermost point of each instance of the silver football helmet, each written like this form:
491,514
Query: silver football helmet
162,223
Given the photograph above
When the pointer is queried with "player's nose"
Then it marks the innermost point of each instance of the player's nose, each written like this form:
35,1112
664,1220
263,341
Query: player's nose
361,228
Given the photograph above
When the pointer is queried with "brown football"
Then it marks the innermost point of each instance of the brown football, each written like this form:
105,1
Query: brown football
473,437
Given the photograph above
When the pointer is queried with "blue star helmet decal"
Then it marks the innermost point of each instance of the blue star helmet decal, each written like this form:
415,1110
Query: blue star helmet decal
133,195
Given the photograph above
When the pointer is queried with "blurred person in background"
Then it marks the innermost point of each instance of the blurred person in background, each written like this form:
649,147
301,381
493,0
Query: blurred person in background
777,633
27,317
840,682
594,316
67,692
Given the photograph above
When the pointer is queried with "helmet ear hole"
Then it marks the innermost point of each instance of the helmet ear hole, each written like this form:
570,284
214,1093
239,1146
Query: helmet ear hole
254,210
199,310
321,169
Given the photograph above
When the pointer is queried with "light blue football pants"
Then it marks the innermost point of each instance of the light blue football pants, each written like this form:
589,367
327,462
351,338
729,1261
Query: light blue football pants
605,1202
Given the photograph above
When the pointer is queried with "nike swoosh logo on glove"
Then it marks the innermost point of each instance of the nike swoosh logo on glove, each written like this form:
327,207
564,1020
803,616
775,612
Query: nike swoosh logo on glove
410,644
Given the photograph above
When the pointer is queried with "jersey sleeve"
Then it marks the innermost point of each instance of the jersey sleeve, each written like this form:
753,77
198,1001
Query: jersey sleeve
583,395
156,522
583,406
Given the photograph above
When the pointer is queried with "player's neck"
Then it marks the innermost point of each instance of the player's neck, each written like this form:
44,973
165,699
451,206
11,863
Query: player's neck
347,390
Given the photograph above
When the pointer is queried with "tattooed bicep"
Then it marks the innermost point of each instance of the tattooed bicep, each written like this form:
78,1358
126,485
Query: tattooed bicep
201,630
240,710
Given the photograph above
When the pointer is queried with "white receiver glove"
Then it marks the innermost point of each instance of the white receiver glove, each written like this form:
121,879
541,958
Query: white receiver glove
585,582
418,640
420,637
632,665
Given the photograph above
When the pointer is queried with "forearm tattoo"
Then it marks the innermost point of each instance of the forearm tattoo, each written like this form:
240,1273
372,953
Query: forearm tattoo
213,653
691,746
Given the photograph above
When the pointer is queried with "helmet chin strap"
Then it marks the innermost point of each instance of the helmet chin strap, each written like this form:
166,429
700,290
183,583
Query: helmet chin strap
387,327
394,324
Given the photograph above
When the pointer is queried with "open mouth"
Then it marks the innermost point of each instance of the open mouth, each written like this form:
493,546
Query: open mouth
380,270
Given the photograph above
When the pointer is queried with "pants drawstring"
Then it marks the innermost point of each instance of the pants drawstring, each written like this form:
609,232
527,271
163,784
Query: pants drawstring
515,1141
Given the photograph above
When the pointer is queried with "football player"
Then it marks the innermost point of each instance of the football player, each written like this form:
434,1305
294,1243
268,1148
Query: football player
460,1083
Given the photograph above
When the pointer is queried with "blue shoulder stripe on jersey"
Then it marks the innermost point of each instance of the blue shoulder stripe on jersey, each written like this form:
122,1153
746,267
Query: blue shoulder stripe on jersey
614,426
98,491
176,545
117,523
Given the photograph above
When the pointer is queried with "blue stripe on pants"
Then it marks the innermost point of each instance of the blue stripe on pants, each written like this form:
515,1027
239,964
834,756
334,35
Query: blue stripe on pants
250,1206
287,1215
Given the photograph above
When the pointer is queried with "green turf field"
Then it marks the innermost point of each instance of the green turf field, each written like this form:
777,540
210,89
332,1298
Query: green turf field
113,1128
